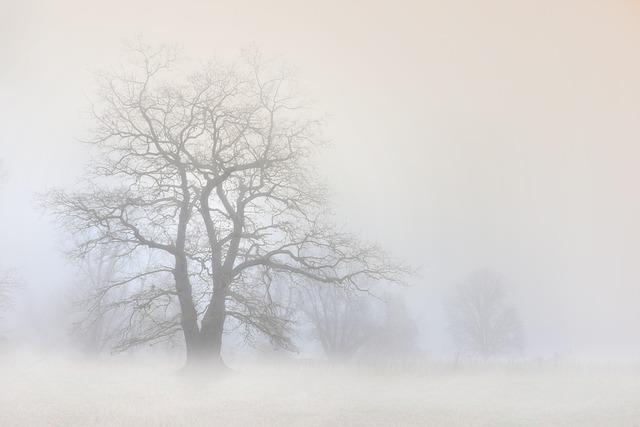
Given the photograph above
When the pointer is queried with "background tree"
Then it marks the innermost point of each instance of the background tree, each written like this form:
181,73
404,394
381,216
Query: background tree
480,320
340,320
7,283
7,280
394,338
98,310
210,174
350,324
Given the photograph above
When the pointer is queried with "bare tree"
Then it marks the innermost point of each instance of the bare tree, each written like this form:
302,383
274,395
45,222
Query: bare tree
209,174
5,279
8,281
481,322
7,284
350,324
97,321
394,338
341,320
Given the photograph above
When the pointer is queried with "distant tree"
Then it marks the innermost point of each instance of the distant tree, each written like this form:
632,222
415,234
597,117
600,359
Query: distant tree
7,284
98,309
341,320
481,322
358,324
394,337
7,280
209,173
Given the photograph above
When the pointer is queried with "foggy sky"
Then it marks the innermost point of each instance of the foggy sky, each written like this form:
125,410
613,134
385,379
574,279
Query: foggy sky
466,134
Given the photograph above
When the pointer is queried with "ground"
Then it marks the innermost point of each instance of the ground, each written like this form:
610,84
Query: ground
47,392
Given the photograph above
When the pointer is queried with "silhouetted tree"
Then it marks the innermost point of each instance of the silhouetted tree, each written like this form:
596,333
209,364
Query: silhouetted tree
481,322
209,175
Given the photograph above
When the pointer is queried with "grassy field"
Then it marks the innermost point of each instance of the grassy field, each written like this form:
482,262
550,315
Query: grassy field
45,392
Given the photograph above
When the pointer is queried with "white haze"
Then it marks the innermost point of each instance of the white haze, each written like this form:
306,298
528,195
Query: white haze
465,135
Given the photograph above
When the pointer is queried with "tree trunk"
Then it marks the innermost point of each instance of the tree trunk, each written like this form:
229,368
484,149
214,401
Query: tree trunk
189,315
205,351
188,312
212,328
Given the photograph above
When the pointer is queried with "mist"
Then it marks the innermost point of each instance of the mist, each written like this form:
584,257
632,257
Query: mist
456,180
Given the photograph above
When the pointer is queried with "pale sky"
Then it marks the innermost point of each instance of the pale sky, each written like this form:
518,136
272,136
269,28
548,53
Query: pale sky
466,134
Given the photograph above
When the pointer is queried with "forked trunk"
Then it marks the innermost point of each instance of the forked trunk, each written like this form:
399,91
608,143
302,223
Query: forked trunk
208,345
212,326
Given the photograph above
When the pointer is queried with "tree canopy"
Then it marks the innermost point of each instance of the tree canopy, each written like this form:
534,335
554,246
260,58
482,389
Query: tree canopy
208,176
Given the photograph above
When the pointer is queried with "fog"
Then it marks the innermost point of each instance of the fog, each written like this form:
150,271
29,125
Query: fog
464,137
